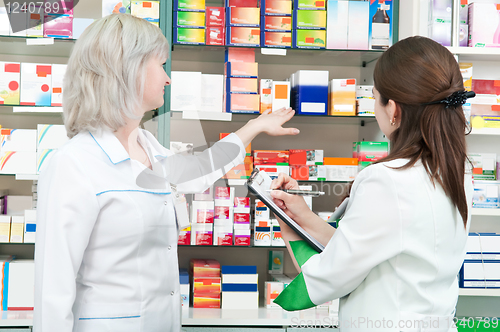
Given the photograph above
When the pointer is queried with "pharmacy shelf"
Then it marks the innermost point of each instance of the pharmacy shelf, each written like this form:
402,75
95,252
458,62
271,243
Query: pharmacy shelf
485,131
207,53
60,48
485,212
297,118
16,318
254,317
478,292
476,53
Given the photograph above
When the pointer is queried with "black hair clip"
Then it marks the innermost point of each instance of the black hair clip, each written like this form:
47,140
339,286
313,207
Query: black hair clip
456,99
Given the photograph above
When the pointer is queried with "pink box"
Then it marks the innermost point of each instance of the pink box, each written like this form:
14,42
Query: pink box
242,3
215,35
184,236
215,16
241,69
239,55
243,17
242,103
278,23
243,36
60,27
242,85
484,25
242,218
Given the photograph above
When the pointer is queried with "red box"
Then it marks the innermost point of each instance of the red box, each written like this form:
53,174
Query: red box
227,240
299,172
184,237
206,285
204,268
222,212
242,3
298,157
242,202
215,16
486,87
222,192
206,300
242,241
270,157
205,217
241,218
215,36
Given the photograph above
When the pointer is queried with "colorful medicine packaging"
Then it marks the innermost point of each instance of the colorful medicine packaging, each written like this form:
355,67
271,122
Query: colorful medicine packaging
342,97
310,91
242,69
276,39
242,36
189,36
271,157
242,3
215,17
215,35
266,97
10,78
189,5
306,157
309,19
311,39
36,84
189,19
276,23
337,18
242,17
242,103
242,85
147,10
280,95
276,7
484,24
309,4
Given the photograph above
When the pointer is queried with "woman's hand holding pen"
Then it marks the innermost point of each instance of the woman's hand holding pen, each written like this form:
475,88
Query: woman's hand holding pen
269,123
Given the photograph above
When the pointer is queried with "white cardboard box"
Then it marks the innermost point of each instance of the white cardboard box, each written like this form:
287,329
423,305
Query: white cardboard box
21,285
58,72
36,82
19,140
51,136
17,162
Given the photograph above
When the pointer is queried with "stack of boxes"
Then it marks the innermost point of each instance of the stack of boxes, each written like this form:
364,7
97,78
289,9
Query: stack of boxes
485,108
241,93
310,92
342,97
367,152
307,165
309,24
189,22
215,26
239,287
276,24
49,139
18,284
206,283
242,23
267,231
242,221
31,84
481,268
223,216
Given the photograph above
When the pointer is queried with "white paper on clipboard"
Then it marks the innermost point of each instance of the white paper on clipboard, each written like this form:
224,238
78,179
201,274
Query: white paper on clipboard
258,184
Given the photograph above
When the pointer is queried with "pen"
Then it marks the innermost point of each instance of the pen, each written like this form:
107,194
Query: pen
300,192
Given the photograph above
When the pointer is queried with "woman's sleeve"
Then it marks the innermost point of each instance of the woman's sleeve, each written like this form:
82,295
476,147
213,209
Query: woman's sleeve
369,234
67,210
197,173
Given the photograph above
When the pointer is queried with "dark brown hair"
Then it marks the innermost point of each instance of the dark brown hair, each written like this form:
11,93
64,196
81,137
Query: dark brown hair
412,72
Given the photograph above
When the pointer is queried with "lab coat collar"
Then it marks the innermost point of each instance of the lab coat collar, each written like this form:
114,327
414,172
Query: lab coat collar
111,146
157,150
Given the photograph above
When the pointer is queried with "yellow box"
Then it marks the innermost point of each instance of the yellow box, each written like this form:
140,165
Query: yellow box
342,97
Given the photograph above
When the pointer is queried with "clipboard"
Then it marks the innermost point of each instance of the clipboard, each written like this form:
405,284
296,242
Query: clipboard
258,183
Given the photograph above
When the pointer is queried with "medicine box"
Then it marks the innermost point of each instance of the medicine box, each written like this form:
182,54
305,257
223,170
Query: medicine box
266,97
242,103
276,238
204,268
215,35
4,22
215,16
483,246
242,205
272,290
36,82
189,36
223,235
484,166
310,91
276,23
42,158
485,195
358,25
202,212
18,140
276,39
58,26
35,22
262,234
241,237
312,39
184,236
202,234
242,17
4,228
271,157
484,23
381,25
224,214
207,300
308,172
242,3
242,220
480,274
51,136
276,259
224,196
116,6
280,95
342,97
273,170
148,10
21,284
234,54
371,151
206,285
261,211
29,226
276,7
309,4
242,36
341,169
306,157
242,69
241,85
184,288
189,5
10,78
58,72
365,102
309,19
17,229
337,17
189,19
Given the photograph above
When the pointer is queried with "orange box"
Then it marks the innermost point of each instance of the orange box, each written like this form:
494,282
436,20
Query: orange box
204,268
340,161
206,300
206,285
243,36
271,157
248,149
276,7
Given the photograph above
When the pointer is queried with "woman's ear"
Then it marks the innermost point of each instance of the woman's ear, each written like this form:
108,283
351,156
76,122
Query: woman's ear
393,111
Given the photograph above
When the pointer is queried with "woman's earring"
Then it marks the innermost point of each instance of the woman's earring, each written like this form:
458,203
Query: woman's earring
393,121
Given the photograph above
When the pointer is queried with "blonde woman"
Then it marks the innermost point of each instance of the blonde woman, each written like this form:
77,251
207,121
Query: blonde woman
106,253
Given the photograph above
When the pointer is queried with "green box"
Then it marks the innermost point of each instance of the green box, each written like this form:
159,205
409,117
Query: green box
310,19
276,258
315,39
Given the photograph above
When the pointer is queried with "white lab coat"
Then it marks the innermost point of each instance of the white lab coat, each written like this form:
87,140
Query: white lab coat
396,254
106,248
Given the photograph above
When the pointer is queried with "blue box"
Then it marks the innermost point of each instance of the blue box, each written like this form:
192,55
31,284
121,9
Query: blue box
238,269
380,33
183,276
239,287
309,92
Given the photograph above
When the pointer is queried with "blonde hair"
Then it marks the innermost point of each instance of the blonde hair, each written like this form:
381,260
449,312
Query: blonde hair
104,81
